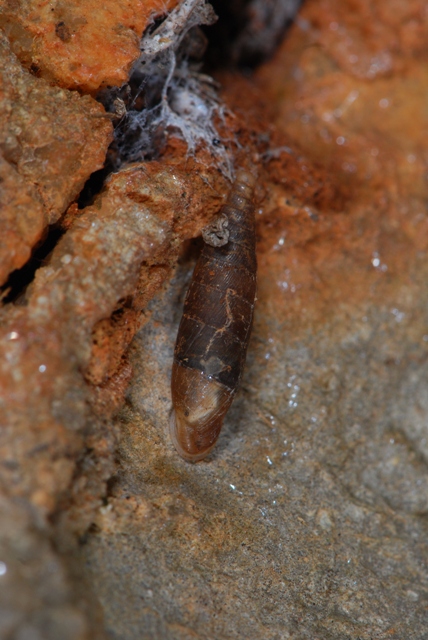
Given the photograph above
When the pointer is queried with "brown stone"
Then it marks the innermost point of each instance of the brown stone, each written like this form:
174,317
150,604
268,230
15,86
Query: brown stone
111,260
308,520
51,140
81,45
22,219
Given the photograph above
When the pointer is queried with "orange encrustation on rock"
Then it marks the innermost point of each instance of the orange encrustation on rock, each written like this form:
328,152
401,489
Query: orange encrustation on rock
84,45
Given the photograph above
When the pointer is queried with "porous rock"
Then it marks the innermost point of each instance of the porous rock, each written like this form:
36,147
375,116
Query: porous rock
50,415
308,519
81,45
51,140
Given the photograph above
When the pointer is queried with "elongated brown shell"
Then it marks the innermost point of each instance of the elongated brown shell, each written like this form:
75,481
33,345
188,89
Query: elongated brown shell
215,328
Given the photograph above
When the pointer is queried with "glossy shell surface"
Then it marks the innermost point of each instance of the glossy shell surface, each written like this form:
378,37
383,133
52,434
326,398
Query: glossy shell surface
215,328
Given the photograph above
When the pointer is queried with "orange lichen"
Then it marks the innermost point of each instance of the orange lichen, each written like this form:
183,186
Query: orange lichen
81,312
22,220
343,231
368,39
344,158
83,45
51,140
112,336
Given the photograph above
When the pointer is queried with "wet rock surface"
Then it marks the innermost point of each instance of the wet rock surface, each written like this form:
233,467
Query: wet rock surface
309,518
58,385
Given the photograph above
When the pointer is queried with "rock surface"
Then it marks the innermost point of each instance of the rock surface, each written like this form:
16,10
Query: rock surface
79,45
55,378
309,519
44,131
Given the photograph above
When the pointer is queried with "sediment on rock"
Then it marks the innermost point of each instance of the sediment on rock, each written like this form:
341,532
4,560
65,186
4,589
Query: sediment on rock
308,520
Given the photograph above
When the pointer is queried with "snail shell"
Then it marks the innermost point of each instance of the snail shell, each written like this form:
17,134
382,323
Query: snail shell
215,328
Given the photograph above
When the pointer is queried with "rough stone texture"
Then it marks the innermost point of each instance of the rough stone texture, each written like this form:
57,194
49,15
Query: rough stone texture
22,220
79,45
37,599
47,340
309,519
48,411
51,140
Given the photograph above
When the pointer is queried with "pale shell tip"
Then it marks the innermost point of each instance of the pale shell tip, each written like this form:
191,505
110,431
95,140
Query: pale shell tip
187,455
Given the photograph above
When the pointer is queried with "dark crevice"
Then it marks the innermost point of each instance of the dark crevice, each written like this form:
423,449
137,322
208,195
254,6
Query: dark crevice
247,32
13,290
94,185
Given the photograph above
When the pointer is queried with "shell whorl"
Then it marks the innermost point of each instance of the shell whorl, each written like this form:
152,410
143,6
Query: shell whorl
215,328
